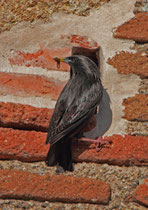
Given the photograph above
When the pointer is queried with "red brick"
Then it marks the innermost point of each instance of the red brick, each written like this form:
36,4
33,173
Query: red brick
141,194
24,116
136,108
28,186
128,150
127,63
29,85
22,145
30,146
42,58
135,29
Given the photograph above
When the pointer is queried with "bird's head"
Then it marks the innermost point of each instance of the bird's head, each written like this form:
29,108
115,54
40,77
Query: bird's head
71,60
79,65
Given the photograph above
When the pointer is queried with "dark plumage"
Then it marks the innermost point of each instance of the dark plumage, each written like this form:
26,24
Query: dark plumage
74,109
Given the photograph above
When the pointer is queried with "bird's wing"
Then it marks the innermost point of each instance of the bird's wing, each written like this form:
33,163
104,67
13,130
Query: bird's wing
65,119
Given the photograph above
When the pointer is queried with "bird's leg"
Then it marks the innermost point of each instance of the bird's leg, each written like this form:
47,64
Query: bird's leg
99,142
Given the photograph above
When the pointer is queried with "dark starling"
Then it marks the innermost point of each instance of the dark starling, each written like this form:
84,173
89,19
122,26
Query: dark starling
74,110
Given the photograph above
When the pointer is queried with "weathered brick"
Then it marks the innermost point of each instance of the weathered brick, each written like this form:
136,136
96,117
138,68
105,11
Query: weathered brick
24,116
127,63
135,29
44,56
29,85
81,41
127,150
136,108
141,194
22,145
30,146
25,185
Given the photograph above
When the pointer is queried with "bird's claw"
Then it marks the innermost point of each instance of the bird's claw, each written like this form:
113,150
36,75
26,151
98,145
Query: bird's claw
99,142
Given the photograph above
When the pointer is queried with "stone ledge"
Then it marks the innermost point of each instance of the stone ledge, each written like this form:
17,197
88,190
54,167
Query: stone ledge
24,185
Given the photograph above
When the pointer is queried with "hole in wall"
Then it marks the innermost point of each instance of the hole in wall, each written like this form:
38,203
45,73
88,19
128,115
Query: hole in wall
93,54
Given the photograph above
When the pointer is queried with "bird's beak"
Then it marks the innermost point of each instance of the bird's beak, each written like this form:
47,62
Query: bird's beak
62,59
58,60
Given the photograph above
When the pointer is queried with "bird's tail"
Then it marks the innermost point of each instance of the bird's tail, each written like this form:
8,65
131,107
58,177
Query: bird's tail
60,154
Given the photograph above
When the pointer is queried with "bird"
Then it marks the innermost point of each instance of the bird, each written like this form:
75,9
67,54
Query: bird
74,110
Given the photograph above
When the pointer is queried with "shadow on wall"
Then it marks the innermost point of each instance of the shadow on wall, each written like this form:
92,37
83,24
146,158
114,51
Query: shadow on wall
103,117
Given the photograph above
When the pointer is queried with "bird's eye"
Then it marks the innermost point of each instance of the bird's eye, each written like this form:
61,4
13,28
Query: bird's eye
75,60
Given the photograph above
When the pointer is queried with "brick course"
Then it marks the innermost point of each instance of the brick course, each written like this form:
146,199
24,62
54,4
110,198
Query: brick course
30,146
28,186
